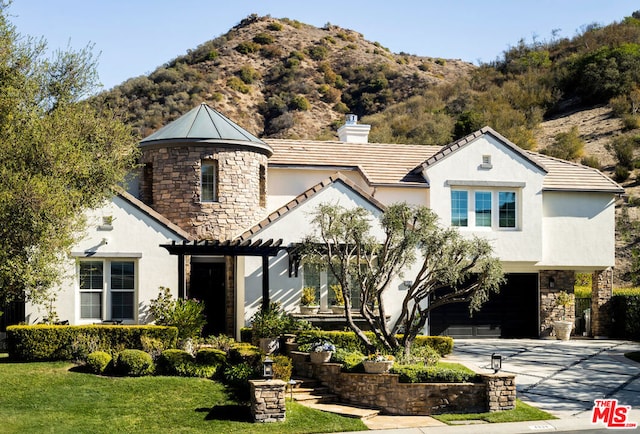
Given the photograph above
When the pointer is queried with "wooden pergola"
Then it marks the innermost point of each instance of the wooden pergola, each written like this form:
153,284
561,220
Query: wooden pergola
264,249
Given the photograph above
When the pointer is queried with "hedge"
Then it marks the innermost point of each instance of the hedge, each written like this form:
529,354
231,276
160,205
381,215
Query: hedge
349,341
53,342
433,374
205,364
626,316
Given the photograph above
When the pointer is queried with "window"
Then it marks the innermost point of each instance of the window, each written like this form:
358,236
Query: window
459,208
483,208
107,283
507,209
91,285
122,289
262,176
322,280
208,181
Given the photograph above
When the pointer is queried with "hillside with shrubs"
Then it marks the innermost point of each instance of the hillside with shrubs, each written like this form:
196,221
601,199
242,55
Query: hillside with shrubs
574,98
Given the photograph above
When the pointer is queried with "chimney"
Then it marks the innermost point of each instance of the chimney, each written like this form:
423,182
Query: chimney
351,132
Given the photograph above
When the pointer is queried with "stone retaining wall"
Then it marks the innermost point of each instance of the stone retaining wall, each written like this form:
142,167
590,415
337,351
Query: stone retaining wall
497,392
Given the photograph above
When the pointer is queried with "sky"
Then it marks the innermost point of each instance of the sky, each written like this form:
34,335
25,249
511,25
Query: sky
134,37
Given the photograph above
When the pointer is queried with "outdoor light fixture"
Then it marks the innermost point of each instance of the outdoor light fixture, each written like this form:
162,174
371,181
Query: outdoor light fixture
496,362
552,282
267,368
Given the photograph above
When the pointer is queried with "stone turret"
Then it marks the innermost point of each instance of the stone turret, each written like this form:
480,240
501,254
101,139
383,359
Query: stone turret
206,174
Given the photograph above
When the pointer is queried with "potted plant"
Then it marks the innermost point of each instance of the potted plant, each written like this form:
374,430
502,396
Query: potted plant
267,326
562,329
378,363
338,301
321,351
308,305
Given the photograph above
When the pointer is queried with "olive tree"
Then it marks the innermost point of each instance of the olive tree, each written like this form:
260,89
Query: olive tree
59,156
450,268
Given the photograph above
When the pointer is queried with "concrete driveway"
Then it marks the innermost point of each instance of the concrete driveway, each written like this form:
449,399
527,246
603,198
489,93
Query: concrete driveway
561,377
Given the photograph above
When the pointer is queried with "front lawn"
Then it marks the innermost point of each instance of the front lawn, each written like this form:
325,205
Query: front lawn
52,397
522,412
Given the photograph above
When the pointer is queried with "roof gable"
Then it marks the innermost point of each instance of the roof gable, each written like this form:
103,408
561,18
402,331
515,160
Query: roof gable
466,141
304,197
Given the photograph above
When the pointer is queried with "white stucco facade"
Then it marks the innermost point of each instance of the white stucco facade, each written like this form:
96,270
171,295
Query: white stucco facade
134,237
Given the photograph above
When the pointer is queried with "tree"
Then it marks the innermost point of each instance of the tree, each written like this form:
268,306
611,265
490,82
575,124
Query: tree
59,156
453,269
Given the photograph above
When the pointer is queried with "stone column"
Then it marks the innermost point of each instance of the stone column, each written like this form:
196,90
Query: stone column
551,283
501,391
268,400
601,294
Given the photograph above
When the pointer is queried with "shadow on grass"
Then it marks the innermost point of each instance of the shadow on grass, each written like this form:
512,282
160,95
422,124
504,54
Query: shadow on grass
233,413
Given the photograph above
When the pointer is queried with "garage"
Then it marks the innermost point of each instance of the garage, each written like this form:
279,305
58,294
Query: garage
512,313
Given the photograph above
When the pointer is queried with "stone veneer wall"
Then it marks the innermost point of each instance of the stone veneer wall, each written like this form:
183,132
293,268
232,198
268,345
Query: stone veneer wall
601,294
497,392
268,400
176,188
549,311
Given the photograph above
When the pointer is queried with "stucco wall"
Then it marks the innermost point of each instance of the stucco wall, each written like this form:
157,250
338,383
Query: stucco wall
523,244
134,236
293,228
578,230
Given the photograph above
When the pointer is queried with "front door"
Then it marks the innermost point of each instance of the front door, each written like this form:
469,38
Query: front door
208,285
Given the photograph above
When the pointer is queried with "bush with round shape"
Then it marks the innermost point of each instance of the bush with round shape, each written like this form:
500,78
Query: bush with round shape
211,356
134,363
99,361
175,362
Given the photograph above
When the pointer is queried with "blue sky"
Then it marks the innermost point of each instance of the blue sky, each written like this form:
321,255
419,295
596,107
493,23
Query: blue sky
134,37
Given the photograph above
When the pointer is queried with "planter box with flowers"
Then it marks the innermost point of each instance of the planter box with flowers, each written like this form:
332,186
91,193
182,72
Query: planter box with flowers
308,305
378,364
321,351
338,301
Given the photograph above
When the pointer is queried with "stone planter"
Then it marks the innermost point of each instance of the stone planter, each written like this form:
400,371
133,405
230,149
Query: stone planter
320,357
562,329
373,367
309,310
337,309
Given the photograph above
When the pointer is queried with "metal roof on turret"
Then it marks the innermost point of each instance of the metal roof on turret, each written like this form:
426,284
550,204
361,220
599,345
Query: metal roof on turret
203,124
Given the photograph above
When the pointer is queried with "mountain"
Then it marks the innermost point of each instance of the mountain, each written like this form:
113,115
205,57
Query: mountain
281,78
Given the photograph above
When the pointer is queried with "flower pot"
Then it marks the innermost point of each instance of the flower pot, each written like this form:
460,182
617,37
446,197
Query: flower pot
562,329
309,310
373,367
337,309
269,345
320,357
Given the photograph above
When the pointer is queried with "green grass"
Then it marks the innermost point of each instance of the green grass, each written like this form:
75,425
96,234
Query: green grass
51,397
523,412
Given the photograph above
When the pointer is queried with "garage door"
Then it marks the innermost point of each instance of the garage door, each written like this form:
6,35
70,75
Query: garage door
513,313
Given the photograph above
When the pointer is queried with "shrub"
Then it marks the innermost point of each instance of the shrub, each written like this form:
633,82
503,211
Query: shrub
351,360
134,363
282,368
51,342
269,323
153,346
186,315
248,74
98,361
432,374
263,39
317,52
175,362
220,342
211,356
275,26
420,354
621,173
591,161
237,84
247,47
239,375
244,353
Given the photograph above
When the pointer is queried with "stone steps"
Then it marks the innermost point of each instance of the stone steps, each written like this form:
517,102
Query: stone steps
310,393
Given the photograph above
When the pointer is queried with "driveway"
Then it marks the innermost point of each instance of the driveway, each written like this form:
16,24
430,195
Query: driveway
561,377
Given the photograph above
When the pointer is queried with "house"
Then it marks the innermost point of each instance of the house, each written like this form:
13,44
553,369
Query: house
217,214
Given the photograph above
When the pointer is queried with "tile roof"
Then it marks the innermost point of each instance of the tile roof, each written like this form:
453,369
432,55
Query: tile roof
379,163
301,198
567,176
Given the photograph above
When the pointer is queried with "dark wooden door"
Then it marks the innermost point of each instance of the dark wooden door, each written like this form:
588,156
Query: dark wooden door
208,285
